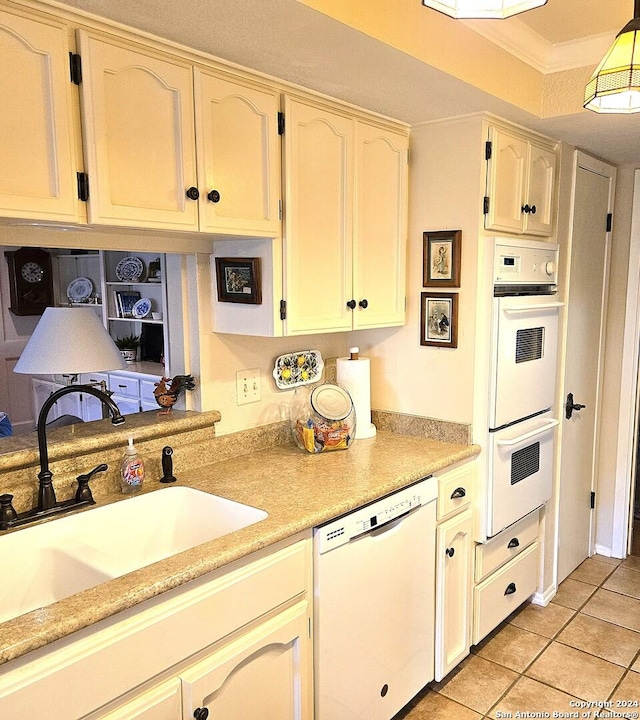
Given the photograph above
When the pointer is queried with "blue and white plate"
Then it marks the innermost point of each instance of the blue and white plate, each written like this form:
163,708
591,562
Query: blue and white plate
141,309
130,269
80,290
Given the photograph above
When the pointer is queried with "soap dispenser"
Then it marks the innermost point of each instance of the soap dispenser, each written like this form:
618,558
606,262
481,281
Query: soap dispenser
132,469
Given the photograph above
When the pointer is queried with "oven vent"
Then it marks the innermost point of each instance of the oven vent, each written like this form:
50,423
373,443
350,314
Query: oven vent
529,344
525,462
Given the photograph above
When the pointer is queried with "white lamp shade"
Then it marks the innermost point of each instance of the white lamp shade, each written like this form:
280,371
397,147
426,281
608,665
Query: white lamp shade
496,9
69,341
614,87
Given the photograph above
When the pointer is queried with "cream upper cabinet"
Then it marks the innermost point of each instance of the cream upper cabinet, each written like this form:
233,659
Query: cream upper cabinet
238,154
138,117
380,227
345,221
521,184
38,155
318,217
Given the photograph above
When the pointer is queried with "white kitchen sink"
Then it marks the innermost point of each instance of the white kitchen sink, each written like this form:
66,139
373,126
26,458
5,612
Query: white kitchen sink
45,563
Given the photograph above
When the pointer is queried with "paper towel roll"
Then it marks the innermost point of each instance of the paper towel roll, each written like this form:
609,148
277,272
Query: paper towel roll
355,377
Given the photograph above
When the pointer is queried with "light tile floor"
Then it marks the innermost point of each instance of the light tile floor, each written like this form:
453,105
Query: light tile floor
584,646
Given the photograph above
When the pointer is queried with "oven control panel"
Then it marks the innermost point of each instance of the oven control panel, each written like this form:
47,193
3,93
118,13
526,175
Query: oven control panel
525,262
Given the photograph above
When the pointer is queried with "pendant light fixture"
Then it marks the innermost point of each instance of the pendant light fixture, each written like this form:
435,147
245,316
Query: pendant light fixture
614,87
469,9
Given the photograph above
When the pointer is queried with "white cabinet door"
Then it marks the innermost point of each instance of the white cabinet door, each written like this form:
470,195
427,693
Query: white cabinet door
453,592
138,117
380,232
506,181
127,405
160,703
265,673
238,155
318,218
540,195
38,161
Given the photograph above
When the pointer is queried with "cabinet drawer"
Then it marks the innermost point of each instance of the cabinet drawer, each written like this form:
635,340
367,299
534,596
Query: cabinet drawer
505,545
146,391
94,378
498,596
454,490
123,385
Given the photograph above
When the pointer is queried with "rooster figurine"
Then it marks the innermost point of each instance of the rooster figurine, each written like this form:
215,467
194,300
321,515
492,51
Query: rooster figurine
166,395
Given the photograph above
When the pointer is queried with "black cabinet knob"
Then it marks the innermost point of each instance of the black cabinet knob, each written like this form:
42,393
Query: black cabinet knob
458,493
351,304
511,588
201,713
193,193
364,303
213,196
450,552
513,543
526,209
533,209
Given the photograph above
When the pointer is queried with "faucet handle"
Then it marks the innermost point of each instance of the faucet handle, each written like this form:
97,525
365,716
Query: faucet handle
7,511
83,492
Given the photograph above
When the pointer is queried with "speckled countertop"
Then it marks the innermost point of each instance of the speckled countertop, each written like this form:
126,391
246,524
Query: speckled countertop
297,489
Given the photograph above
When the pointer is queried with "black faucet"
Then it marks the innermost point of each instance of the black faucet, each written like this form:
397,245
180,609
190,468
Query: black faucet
46,493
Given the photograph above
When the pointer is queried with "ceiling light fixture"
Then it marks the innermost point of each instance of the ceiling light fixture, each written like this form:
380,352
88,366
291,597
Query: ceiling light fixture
468,9
614,87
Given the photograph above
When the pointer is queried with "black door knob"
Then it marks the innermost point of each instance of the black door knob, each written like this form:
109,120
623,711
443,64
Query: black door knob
450,552
533,209
570,406
364,303
193,193
201,713
213,196
526,209
351,304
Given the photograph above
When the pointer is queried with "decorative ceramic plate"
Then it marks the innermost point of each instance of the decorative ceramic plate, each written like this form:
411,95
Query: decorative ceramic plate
129,269
80,289
141,309
298,368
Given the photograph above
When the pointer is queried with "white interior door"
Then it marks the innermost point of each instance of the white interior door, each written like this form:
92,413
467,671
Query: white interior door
584,343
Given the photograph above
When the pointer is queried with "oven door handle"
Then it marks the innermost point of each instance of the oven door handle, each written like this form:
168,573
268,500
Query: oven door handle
531,434
519,309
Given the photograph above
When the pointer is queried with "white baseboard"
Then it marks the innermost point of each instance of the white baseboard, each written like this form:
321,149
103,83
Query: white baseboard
545,597
603,550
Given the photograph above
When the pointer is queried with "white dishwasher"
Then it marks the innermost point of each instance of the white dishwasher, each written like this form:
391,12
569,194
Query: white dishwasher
374,588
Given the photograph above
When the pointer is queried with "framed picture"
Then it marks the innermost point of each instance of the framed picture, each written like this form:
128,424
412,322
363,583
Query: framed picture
439,319
238,280
441,258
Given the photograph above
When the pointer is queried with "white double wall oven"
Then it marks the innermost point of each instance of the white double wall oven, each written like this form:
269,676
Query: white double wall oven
524,319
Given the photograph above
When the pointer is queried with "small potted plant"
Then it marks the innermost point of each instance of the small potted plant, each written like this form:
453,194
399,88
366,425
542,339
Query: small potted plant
128,346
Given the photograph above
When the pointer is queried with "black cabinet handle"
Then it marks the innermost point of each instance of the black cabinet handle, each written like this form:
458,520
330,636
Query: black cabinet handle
351,304
526,209
201,713
533,209
450,552
458,493
514,542
511,588
193,193
364,304
213,196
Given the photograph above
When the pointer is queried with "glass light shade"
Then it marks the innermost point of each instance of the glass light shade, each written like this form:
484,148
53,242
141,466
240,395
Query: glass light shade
69,341
614,87
467,9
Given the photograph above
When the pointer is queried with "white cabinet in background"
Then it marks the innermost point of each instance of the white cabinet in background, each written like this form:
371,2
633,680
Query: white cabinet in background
521,184
38,152
454,567
345,220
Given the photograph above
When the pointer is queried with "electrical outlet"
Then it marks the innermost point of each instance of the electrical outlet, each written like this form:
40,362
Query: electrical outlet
248,389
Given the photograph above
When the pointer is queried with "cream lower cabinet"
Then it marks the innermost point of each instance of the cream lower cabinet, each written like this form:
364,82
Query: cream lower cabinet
521,184
345,220
235,642
38,153
454,563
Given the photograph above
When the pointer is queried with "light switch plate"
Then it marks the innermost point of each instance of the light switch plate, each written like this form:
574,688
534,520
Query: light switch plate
248,388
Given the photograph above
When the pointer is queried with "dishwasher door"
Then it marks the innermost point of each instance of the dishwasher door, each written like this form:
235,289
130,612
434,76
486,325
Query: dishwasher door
374,618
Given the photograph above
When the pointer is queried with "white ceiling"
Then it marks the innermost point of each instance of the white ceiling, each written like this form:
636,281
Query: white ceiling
287,39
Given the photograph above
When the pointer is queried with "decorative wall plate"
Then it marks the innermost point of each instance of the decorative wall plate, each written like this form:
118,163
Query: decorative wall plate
80,290
129,269
141,309
298,368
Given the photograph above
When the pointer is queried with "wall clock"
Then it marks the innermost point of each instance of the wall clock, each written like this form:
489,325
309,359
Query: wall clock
30,281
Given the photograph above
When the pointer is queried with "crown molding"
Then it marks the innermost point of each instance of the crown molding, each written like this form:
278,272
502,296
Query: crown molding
522,42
